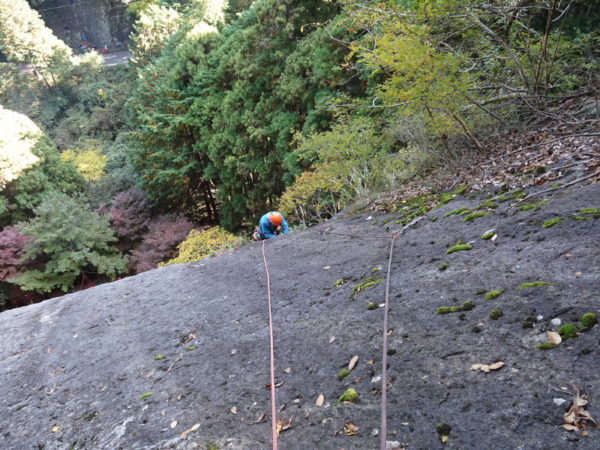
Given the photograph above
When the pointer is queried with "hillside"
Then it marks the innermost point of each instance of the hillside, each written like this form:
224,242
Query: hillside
77,370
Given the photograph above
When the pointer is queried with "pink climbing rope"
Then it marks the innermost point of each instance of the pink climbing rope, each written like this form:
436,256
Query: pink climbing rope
384,358
273,412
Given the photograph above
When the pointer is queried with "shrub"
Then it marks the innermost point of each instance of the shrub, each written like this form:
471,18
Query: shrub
201,243
130,214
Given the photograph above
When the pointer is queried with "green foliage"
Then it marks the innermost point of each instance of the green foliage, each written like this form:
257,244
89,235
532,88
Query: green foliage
201,243
68,238
495,314
567,331
459,247
30,166
534,284
588,320
343,374
28,40
551,222
493,294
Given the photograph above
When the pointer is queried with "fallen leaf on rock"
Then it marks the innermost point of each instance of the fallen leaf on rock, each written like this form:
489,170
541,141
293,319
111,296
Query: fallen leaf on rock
173,424
554,337
369,362
496,366
189,430
268,386
326,267
577,274
296,400
494,237
475,367
487,367
357,379
234,410
281,408
331,339
260,419
320,400
577,418
283,426
55,429
353,362
350,429
288,370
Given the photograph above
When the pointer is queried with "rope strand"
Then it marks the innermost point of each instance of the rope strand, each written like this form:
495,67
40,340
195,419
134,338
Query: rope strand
273,412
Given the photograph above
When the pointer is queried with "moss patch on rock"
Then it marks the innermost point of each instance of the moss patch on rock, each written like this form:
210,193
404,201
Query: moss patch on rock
488,235
551,222
546,346
588,320
349,396
476,215
534,284
343,374
459,247
466,306
494,294
567,331
495,314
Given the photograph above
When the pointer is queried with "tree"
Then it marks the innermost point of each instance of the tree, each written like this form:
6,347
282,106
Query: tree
70,239
30,166
25,38
12,247
165,233
130,214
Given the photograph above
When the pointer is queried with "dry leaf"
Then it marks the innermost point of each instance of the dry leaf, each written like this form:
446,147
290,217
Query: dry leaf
577,274
485,368
320,400
326,267
55,429
494,237
281,408
353,362
350,429
296,400
369,362
566,426
234,410
496,365
268,386
260,419
195,427
189,430
288,370
554,337
173,424
331,339
475,367
283,426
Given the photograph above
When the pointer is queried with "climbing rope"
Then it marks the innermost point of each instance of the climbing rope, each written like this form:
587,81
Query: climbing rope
273,412
391,236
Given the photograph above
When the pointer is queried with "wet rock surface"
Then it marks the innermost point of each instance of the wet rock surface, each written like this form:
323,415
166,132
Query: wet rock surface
77,370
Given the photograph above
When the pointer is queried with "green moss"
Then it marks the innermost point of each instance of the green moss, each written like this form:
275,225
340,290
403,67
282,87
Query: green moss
190,348
582,218
567,331
466,306
444,266
594,211
367,283
488,204
158,357
494,294
476,215
588,320
443,429
495,314
338,282
343,374
349,396
147,394
433,219
546,346
534,284
488,235
528,322
459,247
372,305
480,292
539,170
533,206
375,269
551,222
212,447
457,211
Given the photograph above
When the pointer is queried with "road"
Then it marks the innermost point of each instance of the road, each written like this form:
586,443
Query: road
110,59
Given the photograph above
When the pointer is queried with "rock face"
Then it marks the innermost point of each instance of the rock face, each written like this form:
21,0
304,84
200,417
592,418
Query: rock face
102,22
179,357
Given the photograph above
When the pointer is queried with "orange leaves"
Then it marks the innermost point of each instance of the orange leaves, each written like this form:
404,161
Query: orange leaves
281,426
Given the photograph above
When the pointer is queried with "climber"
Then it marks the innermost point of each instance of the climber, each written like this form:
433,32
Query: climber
270,225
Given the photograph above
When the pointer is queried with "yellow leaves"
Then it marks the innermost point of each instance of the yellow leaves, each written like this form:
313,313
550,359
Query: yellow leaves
201,243
55,429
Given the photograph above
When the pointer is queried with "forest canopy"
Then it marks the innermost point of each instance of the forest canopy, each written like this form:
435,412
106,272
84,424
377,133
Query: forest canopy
230,109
